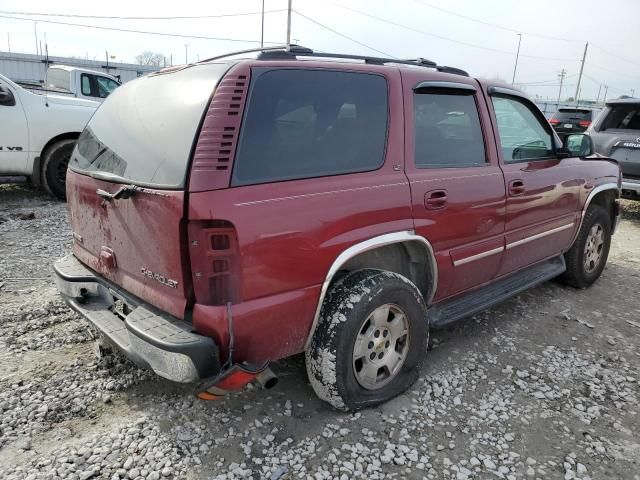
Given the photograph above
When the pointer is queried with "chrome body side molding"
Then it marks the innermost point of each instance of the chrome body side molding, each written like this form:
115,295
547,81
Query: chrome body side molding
477,256
539,235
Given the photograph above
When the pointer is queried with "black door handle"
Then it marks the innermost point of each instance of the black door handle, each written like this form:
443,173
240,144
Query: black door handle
516,187
435,199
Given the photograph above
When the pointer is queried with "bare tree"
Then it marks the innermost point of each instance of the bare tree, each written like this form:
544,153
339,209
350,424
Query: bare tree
150,58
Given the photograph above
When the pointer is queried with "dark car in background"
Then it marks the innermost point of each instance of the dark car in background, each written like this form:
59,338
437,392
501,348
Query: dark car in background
616,134
572,120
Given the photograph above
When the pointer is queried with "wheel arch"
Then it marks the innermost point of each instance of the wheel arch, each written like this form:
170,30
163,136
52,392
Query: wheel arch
38,163
605,196
404,253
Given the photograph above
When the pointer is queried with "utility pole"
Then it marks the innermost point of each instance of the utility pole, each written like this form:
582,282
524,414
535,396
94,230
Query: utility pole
517,56
262,28
186,48
35,33
606,89
562,74
598,97
9,42
289,24
584,57
633,92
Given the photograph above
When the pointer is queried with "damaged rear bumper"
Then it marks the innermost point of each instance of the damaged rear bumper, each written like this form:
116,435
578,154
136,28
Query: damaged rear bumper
149,338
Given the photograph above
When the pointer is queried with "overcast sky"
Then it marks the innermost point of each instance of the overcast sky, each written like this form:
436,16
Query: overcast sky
478,36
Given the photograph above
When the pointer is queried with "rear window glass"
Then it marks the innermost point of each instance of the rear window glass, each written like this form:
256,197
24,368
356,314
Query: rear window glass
143,133
573,114
311,123
623,117
58,78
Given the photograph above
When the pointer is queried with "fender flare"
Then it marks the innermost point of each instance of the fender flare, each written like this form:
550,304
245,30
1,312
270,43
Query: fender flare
592,194
372,244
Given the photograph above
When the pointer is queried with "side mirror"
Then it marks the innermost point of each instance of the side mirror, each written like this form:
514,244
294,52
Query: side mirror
578,145
6,97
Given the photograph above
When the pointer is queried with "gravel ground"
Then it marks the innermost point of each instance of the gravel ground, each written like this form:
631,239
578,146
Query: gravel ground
545,385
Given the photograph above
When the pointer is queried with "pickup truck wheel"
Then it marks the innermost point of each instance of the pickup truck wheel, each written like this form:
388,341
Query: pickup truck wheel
54,168
371,338
588,256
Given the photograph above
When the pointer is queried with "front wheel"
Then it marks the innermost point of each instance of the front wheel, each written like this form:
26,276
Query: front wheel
371,338
54,168
588,256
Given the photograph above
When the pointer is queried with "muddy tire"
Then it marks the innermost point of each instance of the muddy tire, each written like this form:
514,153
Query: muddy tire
370,341
54,167
588,256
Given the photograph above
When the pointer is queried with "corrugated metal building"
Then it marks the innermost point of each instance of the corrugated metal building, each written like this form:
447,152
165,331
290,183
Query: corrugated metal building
25,67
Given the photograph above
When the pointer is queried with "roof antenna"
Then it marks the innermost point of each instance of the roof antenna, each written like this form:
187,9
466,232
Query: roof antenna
46,75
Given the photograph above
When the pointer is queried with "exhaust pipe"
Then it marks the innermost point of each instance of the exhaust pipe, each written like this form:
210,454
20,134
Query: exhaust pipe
234,379
267,378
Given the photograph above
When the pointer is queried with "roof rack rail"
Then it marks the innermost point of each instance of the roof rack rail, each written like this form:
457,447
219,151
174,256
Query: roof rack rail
281,48
295,51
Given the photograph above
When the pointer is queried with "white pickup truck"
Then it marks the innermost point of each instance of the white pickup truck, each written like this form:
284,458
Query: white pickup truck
76,82
38,133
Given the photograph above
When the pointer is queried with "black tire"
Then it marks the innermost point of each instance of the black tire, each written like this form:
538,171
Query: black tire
330,360
54,167
578,274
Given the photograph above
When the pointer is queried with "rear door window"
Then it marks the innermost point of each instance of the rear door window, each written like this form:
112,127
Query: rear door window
447,131
311,123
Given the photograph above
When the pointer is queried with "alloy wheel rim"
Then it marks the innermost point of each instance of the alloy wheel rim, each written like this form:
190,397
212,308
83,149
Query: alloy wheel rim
381,346
593,248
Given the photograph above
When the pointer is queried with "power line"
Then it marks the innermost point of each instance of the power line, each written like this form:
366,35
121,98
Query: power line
442,37
615,55
513,30
591,64
605,83
542,82
342,34
145,32
110,17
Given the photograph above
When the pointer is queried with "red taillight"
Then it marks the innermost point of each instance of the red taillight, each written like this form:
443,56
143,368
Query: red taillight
584,123
554,121
214,262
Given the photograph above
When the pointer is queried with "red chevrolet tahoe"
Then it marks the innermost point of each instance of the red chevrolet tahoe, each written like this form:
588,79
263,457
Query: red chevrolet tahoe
237,211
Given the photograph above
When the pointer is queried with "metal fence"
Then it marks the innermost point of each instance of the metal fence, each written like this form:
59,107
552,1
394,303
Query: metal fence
25,67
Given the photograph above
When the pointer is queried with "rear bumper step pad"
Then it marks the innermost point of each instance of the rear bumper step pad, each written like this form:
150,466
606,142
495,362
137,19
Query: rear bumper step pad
154,340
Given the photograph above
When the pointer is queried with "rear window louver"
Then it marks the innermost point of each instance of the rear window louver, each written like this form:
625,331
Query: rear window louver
213,155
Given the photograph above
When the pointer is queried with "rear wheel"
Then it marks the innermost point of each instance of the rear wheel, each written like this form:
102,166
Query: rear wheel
588,256
54,167
370,341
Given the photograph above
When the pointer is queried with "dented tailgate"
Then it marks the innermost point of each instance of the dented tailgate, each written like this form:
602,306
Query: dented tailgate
135,243
126,183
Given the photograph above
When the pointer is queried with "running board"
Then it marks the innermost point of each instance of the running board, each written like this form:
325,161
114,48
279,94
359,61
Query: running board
466,305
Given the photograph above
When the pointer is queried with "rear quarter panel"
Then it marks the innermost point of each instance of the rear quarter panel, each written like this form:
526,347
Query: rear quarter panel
290,232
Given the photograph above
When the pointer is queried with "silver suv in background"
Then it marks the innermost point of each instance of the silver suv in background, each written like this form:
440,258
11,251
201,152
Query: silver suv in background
616,134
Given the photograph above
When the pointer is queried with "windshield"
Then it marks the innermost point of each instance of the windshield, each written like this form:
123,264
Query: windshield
143,133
